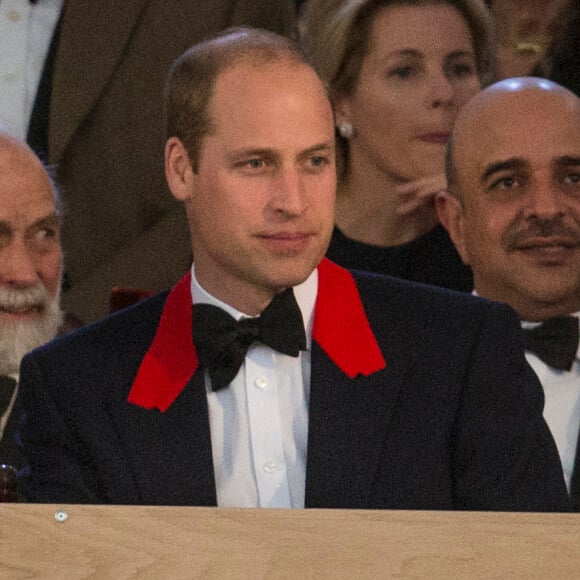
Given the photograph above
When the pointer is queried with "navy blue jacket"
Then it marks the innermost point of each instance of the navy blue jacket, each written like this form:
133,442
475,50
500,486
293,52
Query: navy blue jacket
454,420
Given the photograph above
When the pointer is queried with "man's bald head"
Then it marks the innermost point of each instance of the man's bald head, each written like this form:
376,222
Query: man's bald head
16,152
514,167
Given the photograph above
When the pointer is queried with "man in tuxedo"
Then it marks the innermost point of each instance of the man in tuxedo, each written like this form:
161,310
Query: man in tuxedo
30,272
513,211
83,81
269,376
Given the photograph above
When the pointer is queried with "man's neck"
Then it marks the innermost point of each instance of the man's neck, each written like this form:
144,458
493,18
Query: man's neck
534,311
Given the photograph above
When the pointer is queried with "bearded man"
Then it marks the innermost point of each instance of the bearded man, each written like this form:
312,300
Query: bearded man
30,273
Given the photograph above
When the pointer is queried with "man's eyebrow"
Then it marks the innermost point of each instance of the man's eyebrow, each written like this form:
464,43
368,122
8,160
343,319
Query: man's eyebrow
272,153
51,221
513,163
566,161
257,152
321,147
5,227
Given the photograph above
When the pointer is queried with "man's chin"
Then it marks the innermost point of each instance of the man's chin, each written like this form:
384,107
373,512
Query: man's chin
21,333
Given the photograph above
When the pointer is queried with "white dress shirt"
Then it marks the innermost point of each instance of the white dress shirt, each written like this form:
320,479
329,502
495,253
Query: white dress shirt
259,423
25,33
562,406
6,415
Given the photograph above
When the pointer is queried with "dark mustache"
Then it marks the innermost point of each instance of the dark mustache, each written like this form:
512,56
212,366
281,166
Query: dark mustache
540,228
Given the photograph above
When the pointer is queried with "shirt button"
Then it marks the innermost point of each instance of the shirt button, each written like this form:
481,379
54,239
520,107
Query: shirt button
270,466
14,15
261,383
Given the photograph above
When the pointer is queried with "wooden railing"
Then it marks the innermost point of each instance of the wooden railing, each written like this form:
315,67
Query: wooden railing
117,542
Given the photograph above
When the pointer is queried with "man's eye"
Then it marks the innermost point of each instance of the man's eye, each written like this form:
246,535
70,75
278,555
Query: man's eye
505,183
318,161
46,233
254,163
44,239
572,179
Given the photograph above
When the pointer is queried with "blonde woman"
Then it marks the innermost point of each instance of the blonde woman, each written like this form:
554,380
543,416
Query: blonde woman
398,73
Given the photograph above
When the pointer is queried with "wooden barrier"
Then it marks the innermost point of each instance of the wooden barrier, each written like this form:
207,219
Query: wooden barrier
117,542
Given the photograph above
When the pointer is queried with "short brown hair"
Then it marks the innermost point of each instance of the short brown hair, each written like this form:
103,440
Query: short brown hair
193,76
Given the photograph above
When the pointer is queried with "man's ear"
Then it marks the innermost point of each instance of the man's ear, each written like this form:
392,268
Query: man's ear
451,216
178,170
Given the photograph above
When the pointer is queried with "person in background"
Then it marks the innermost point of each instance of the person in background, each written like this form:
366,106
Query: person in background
83,82
30,273
269,376
513,211
525,31
398,72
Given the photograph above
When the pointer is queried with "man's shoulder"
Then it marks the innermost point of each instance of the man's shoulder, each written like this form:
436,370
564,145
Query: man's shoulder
401,306
386,291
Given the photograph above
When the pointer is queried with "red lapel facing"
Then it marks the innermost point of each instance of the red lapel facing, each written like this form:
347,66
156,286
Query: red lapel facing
171,359
340,328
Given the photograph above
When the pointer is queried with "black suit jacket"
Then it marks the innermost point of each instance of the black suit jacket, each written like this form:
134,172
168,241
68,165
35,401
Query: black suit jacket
453,421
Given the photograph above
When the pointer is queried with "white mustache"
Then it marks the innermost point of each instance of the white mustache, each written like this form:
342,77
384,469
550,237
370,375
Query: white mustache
21,299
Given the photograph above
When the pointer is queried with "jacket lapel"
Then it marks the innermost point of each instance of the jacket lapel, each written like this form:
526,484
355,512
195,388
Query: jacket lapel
171,360
348,424
170,453
86,58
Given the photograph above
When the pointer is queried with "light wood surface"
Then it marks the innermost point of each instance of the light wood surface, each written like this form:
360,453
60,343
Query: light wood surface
171,542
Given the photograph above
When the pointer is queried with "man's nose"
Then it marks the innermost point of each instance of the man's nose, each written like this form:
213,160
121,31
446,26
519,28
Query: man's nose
17,265
289,193
545,201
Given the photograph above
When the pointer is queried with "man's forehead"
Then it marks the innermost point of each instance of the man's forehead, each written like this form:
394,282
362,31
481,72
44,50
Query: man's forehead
515,128
26,191
281,105
246,81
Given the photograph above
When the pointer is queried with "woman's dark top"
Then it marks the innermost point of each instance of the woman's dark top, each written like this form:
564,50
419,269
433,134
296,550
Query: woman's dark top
430,258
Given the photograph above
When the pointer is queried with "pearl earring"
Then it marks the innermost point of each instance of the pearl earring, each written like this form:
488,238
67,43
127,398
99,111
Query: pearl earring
346,130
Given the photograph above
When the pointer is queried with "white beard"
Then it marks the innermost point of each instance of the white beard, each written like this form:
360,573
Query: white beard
20,337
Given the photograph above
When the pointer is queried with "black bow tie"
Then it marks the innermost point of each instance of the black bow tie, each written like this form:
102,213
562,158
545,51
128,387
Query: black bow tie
222,342
7,386
555,341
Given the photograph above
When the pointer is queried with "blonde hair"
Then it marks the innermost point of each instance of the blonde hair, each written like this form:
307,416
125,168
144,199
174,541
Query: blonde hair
335,35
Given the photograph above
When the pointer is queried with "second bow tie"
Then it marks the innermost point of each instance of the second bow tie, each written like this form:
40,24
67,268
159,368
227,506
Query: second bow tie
555,341
222,342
